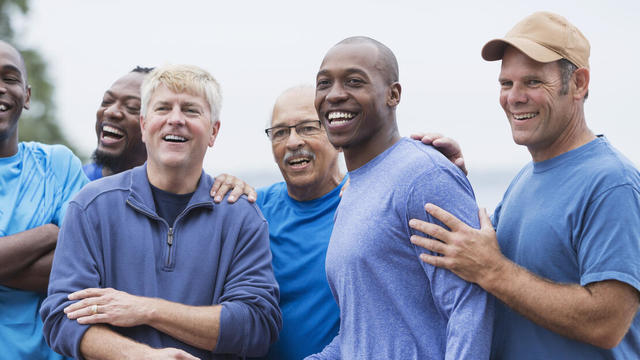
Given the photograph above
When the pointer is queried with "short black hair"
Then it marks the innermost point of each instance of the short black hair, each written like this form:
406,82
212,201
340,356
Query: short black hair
142,69
386,58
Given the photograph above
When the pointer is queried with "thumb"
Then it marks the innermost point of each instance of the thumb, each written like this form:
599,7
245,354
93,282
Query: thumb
485,220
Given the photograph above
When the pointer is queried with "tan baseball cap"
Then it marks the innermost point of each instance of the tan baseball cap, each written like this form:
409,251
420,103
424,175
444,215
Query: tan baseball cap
544,37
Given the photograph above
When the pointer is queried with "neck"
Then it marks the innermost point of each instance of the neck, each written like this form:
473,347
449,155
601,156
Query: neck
176,181
359,154
573,136
9,146
310,192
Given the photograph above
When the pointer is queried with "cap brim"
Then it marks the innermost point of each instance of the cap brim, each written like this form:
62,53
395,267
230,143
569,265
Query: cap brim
494,49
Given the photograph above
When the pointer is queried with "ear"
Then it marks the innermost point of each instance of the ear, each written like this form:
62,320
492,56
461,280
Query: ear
214,133
393,98
142,127
27,101
580,83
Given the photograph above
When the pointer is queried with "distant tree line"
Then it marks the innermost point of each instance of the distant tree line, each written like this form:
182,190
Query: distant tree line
40,122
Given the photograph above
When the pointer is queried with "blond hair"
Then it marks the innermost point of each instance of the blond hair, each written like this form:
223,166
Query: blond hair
180,79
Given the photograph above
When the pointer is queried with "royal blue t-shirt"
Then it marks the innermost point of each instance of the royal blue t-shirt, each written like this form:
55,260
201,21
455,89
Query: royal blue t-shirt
299,232
93,171
572,219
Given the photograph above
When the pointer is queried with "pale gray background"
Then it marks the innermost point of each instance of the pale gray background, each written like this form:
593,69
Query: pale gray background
256,49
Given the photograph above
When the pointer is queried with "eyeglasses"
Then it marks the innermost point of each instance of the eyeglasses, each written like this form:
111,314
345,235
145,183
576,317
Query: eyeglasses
305,129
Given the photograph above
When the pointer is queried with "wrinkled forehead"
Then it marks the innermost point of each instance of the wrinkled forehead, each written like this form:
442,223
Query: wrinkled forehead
294,106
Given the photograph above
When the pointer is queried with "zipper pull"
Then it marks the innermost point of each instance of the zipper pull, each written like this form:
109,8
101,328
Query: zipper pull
170,237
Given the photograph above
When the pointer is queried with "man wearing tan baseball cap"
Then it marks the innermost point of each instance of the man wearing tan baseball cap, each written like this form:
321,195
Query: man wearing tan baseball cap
563,259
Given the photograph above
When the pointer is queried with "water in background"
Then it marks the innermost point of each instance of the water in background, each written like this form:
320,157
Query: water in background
489,185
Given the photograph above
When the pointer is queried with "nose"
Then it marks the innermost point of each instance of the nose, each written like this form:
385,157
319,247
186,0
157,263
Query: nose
516,95
336,94
175,117
294,141
113,111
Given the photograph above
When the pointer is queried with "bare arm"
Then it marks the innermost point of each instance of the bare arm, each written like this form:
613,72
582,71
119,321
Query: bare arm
195,325
34,277
21,251
101,343
599,313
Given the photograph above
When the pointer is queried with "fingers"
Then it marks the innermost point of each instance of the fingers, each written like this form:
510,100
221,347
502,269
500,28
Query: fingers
430,229
219,180
445,217
345,186
85,293
429,244
225,182
427,138
459,162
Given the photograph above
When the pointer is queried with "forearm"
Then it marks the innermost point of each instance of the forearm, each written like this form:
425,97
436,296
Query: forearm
34,277
198,326
600,314
21,250
101,343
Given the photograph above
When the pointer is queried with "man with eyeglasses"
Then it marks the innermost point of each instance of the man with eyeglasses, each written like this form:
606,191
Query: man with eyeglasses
300,216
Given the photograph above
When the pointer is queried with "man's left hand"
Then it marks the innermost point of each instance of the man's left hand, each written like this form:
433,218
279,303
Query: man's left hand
226,182
108,306
472,254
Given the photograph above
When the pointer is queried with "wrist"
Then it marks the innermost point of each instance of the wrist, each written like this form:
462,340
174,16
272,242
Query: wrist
497,274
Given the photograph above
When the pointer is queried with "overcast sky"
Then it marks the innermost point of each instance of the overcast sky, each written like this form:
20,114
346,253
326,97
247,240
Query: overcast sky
256,49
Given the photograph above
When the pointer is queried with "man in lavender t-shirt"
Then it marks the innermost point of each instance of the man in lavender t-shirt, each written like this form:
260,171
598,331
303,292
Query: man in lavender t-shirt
392,305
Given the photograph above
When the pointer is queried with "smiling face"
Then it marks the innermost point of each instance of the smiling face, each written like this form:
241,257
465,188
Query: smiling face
177,129
120,144
354,99
309,164
15,94
541,117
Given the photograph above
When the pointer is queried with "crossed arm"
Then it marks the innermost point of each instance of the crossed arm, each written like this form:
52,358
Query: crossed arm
26,258
599,313
195,325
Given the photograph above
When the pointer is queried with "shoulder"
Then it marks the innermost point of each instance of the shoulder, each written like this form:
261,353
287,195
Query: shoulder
270,194
606,168
50,155
103,189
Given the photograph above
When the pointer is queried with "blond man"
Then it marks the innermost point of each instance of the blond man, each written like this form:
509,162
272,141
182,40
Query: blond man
147,265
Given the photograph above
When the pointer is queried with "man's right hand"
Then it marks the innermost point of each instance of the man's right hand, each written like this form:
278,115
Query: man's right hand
447,146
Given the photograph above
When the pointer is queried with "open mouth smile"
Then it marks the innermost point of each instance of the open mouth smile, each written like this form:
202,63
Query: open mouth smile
340,117
174,138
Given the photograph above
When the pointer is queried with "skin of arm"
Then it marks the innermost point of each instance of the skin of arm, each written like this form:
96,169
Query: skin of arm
195,325
34,277
26,257
599,313
101,343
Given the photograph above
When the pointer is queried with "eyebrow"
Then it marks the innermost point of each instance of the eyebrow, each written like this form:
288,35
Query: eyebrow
348,71
127,97
280,124
12,68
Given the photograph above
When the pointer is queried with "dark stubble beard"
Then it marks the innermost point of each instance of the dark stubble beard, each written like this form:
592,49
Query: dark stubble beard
114,163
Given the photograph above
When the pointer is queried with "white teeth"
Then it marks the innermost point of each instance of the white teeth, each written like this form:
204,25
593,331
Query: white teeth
174,137
297,160
524,116
340,115
112,130
3,107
